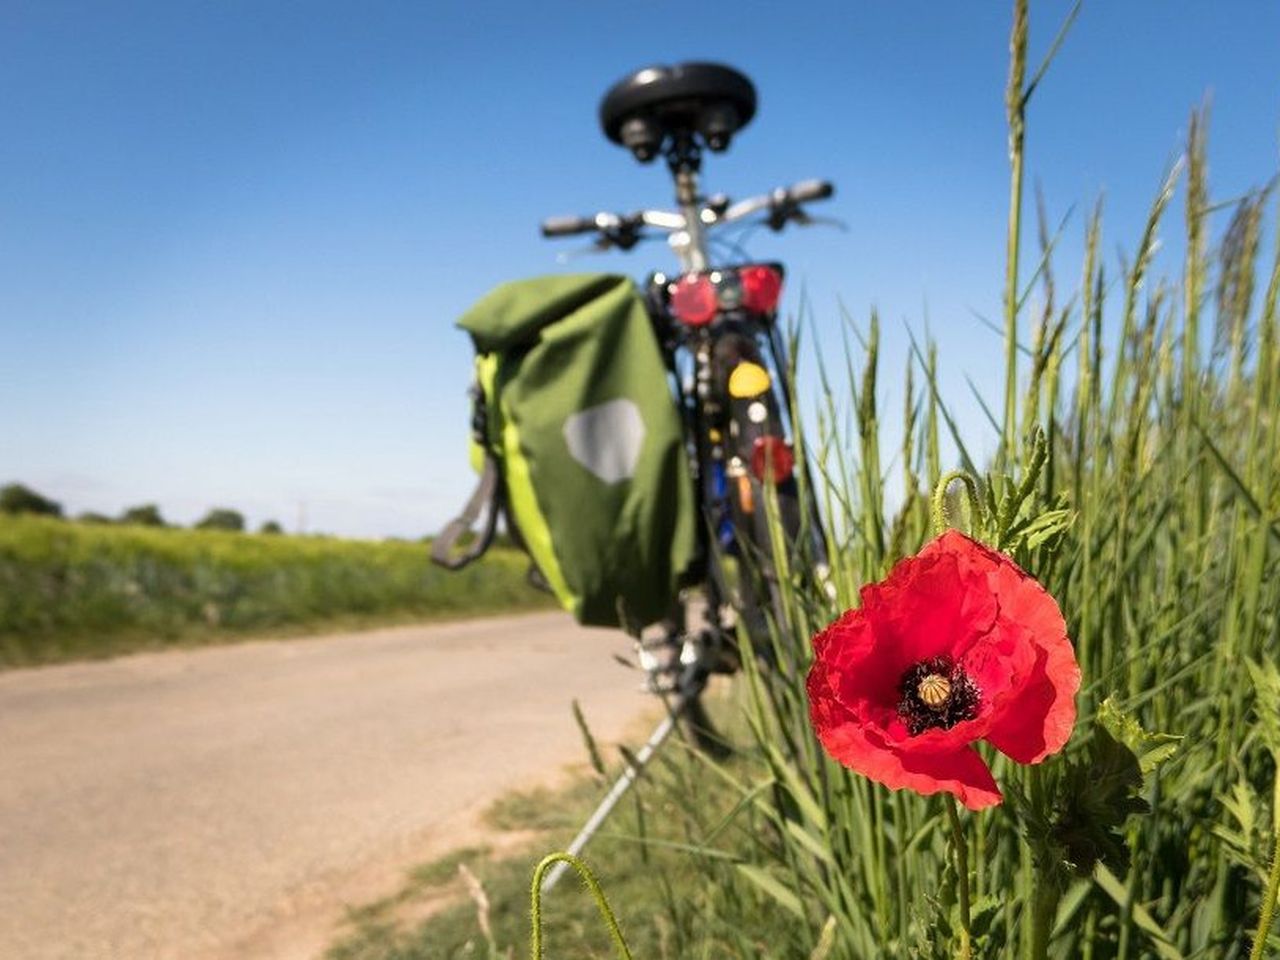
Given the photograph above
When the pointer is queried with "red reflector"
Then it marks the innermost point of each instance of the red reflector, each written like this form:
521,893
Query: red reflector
693,299
772,459
761,287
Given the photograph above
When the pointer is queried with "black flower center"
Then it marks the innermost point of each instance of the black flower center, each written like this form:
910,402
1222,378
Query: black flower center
936,693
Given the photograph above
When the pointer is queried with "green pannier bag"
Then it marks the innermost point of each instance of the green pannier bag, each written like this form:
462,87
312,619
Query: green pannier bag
580,445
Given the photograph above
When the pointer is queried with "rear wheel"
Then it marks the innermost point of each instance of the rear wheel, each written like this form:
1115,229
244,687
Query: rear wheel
755,518
763,495
768,553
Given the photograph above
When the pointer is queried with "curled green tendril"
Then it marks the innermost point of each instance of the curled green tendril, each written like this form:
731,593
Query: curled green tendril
597,894
940,499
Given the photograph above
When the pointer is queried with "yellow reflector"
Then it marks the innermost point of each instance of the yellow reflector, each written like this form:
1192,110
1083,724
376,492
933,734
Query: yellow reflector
748,380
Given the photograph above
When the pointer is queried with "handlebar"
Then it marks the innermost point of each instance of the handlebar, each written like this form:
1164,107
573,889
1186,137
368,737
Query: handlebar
779,206
807,190
567,226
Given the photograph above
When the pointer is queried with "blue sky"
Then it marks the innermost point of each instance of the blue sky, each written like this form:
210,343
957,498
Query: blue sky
234,236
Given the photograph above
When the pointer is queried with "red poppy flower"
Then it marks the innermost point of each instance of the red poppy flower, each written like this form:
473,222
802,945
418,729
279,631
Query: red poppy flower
956,645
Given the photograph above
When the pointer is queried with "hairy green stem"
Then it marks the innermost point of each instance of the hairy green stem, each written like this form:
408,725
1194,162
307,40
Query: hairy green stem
597,894
960,847
1044,910
939,502
1268,905
1044,879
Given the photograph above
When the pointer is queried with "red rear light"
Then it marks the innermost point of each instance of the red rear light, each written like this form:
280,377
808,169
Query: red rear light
761,287
772,459
693,300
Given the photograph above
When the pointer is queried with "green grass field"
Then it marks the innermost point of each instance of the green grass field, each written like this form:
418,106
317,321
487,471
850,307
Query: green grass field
70,590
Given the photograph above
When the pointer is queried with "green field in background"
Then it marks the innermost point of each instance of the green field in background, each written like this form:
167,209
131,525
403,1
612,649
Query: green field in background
71,591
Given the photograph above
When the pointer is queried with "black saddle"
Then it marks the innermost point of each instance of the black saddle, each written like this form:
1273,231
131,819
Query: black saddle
703,101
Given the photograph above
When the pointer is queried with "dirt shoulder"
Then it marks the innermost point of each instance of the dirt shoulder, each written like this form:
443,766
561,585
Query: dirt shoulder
230,802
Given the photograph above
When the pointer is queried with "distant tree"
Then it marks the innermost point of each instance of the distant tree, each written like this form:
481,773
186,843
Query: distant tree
271,527
16,498
89,516
143,515
220,518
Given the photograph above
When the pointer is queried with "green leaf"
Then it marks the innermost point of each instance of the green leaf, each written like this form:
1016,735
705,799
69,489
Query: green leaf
1266,683
1151,749
826,940
771,885
589,741
1070,904
1095,797
816,847
1032,821
1245,843
797,788
983,915
1049,526
1115,889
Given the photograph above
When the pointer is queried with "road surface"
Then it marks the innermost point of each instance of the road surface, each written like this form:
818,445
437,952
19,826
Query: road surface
227,802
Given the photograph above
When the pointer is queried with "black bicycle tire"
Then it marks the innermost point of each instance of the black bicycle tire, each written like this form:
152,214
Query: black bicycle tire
761,575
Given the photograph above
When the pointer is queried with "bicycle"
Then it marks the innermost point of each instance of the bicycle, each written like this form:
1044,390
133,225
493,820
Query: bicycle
728,366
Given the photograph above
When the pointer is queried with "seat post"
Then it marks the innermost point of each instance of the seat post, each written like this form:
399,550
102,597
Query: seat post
684,160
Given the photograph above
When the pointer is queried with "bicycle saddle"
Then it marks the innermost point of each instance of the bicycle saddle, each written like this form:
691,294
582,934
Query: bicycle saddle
708,99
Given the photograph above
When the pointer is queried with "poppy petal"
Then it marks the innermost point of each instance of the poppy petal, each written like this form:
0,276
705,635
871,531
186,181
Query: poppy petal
1039,719
927,607
961,772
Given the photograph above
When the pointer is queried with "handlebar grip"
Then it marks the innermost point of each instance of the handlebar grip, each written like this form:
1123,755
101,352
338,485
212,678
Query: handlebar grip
567,226
807,190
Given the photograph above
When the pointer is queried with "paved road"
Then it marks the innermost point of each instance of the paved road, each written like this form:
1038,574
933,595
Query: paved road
226,802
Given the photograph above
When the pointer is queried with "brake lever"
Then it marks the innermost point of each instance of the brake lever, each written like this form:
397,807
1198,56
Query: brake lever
606,241
600,244
808,220
624,235
780,217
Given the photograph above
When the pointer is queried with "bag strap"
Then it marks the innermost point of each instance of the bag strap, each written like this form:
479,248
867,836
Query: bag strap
486,495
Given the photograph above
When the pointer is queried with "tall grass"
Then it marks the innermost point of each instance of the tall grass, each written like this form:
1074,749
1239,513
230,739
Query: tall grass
1162,439
70,590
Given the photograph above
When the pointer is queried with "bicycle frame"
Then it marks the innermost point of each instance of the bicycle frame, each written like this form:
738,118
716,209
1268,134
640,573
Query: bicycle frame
689,243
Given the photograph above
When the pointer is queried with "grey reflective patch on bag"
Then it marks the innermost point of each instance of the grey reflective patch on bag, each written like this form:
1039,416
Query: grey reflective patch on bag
607,439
